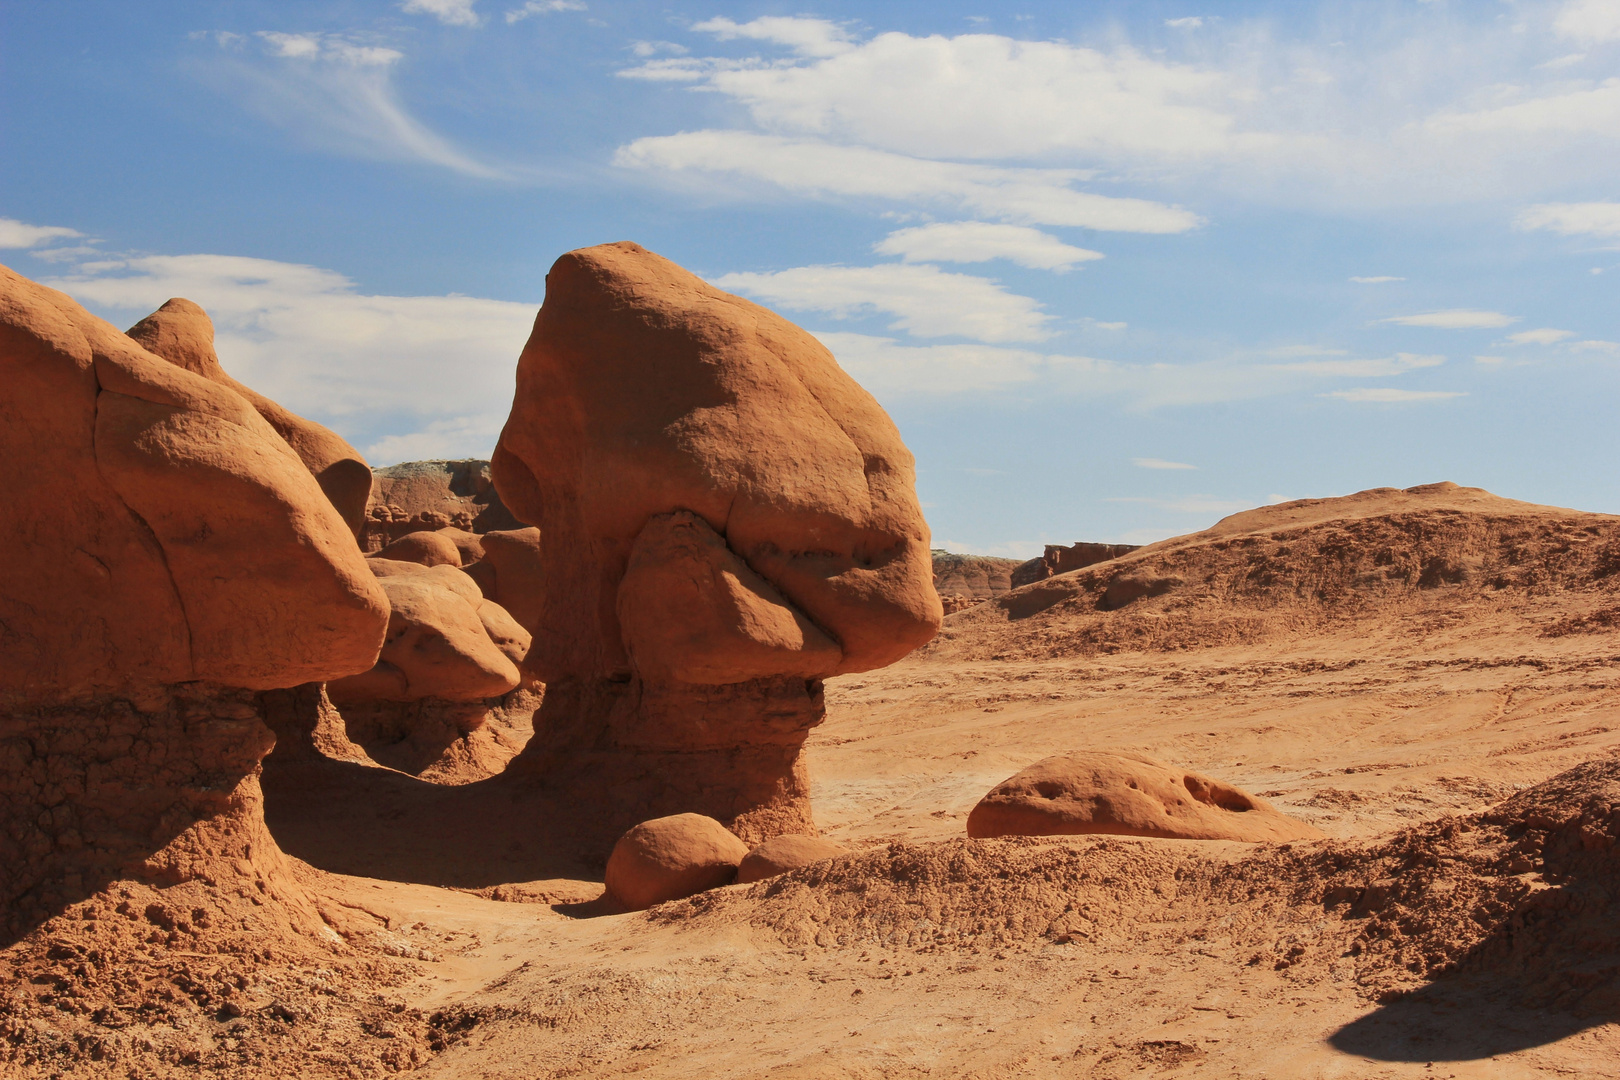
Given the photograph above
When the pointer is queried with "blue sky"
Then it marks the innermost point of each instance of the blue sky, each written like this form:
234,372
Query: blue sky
1116,270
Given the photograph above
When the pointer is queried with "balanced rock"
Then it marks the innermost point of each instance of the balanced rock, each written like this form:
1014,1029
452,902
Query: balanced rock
1127,795
165,555
787,852
444,641
673,857
660,421
182,333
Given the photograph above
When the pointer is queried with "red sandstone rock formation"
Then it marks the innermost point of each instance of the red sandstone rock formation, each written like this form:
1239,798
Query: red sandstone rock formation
165,553
780,854
670,858
424,496
658,417
1128,795
1060,560
182,333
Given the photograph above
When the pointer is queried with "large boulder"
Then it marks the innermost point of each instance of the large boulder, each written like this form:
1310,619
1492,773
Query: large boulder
164,555
670,858
424,548
182,333
1127,795
660,422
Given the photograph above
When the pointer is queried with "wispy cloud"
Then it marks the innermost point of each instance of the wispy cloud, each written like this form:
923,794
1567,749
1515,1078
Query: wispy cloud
1159,463
1378,280
18,234
925,300
1600,219
807,37
542,7
1456,319
1030,196
398,373
449,12
1541,337
338,93
1384,395
981,241
1398,364
1592,21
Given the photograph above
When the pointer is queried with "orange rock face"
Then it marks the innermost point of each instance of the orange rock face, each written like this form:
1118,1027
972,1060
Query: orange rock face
165,553
728,517
670,858
1127,795
182,333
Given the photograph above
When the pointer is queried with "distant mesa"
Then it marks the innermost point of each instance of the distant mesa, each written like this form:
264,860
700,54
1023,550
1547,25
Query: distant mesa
426,496
1127,795
964,581
727,518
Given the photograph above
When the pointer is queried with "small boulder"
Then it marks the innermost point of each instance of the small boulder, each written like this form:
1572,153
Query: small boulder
780,854
469,544
425,548
669,858
1127,795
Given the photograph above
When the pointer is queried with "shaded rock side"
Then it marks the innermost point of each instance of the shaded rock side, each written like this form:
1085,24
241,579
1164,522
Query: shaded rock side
182,333
1127,795
165,554
670,858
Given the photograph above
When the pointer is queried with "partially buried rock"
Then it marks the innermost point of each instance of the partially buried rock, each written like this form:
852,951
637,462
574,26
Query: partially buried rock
424,548
780,854
672,857
1127,795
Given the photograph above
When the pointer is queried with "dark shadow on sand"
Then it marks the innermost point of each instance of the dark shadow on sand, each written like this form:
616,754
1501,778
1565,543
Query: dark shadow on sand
1444,1021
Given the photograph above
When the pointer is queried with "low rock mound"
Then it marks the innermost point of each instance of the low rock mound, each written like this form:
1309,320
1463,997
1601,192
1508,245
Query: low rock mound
1388,559
780,854
424,549
1525,894
670,858
1127,795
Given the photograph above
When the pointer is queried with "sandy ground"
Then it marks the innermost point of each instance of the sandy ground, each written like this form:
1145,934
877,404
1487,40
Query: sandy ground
1355,734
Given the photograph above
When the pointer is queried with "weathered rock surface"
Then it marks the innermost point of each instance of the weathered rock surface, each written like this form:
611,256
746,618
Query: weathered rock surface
164,554
978,577
424,549
511,574
1127,795
672,857
780,854
645,393
183,334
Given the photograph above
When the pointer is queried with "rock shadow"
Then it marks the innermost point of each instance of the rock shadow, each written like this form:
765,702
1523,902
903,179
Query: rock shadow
1446,1021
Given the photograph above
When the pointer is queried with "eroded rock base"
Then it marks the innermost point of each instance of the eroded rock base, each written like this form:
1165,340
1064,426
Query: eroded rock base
633,751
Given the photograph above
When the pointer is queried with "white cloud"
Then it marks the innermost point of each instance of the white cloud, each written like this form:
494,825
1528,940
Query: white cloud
542,7
338,94
1189,22
1387,396
1032,196
1610,347
1107,325
984,96
1159,463
17,234
449,12
460,437
1587,111
1574,219
807,37
1540,337
424,367
891,370
1589,20
1398,364
980,241
1456,319
1379,280
927,301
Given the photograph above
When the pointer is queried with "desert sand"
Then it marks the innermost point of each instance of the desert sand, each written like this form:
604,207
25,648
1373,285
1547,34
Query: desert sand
1427,678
